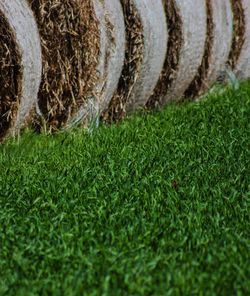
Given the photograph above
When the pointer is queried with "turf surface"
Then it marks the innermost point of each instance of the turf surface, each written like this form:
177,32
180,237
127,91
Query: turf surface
159,205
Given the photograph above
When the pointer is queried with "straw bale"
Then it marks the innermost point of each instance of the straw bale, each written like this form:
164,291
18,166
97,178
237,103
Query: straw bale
115,49
185,49
155,48
217,49
20,66
146,40
70,41
239,59
111,59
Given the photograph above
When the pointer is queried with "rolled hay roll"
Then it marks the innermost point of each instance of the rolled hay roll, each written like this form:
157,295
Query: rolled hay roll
70,40
20,66
146,40
185,50
111,59
217,48
239,58
114,49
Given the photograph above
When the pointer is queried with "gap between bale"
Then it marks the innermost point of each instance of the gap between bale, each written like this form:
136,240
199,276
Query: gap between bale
174,46
10,76
70,46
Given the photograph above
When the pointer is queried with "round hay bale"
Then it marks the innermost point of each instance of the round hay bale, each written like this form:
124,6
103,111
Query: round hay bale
239,59
111,59
115,49
217,49
185,49
70,40
146,40
20,65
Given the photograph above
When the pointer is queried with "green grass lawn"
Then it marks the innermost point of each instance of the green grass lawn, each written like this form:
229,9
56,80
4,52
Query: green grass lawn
159,205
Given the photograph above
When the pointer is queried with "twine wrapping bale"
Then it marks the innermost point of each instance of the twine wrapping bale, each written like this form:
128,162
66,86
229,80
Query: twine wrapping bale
146,40
239,59
70,42
185,49
20,65
217,49
111,59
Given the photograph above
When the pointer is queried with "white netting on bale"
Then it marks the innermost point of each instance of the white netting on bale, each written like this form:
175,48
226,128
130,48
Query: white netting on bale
217,48
185,49
146,40
20,65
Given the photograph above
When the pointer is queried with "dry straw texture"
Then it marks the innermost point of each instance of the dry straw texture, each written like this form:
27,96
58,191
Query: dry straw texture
70,41
146,39
20,65
240,55
186,47
217,49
